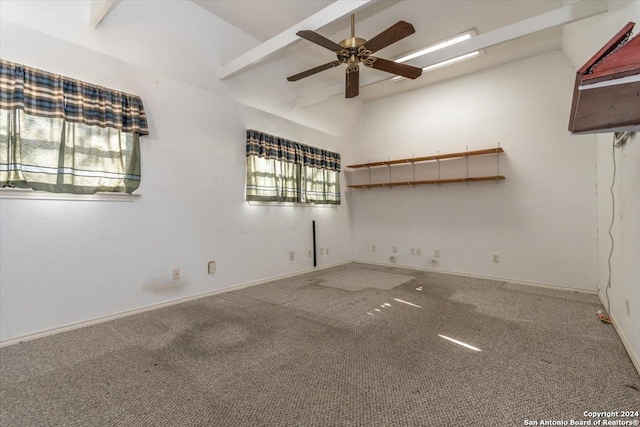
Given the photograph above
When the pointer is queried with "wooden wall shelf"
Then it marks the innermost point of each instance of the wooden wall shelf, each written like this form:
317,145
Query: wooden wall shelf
437,157
461,154
429,181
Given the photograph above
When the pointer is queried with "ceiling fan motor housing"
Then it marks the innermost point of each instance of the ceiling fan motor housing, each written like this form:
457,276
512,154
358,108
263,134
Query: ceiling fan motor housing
352,42
350,52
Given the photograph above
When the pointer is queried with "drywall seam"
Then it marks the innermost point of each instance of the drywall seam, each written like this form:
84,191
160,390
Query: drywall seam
479,276
634,359
127,313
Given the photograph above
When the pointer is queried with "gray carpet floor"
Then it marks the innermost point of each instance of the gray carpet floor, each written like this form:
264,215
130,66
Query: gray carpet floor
346,346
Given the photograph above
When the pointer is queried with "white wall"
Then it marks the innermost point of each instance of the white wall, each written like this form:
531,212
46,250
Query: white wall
581,41
541,220
179,39
69,261
625,260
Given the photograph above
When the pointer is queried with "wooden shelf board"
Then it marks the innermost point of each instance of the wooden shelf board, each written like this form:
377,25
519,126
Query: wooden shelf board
429,181
461,154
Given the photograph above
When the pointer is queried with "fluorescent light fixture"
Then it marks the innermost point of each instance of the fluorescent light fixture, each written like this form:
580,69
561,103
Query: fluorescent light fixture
438,46
449,42
459,343
445,63
452,61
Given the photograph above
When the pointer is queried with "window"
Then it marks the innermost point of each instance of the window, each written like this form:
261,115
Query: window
65,136
279,170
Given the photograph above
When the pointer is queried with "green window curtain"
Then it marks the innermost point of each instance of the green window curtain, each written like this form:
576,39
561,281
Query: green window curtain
66,136
279,170
56,156
320,186
270,180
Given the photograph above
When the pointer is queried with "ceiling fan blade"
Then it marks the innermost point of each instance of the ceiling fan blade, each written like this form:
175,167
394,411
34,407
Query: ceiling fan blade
394,33
352,82
313,71
403,70
316,38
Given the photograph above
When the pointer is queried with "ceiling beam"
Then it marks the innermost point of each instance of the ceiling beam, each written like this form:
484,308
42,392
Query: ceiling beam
99,10
561,16
318,20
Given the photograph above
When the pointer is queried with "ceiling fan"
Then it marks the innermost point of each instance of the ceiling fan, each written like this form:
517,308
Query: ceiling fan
354,50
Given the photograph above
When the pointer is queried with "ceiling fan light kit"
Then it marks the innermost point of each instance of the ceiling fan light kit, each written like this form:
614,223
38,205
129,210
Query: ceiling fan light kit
354,51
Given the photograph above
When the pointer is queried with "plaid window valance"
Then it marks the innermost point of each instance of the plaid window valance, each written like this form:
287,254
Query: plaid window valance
44,94
273,147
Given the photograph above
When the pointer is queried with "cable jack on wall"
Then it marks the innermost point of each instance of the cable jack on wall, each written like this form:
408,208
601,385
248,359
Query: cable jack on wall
620,138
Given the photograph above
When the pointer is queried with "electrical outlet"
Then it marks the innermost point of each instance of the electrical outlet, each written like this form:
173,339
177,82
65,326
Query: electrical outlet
436,253
327,250
309,253
373,248
292,255
395,250
418,251
176,273
496,258
211,267
626,306
413,251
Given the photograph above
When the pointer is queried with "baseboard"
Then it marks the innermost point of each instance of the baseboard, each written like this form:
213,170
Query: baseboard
126,313
634,358
479,276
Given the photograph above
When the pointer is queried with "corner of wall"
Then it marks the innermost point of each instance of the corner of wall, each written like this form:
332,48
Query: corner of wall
581,39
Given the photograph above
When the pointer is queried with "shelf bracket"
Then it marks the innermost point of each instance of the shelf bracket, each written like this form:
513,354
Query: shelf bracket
413,155
498,163
466,161
438,161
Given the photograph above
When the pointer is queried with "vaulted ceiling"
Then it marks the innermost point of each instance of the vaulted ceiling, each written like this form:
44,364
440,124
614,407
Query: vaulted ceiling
246,49
512,22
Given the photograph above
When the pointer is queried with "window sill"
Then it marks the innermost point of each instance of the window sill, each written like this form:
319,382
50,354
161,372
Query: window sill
19,193
292,204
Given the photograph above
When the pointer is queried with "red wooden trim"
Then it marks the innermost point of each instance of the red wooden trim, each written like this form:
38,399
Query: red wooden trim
622,63
608,48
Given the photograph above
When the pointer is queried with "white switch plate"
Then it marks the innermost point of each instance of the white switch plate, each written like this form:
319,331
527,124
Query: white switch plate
211,267
176,273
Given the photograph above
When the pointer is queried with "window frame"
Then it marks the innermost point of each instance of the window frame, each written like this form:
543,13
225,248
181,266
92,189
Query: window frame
268,156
